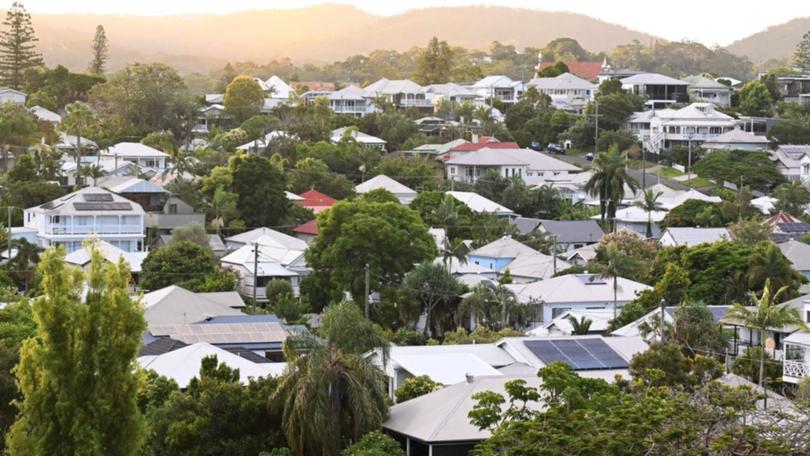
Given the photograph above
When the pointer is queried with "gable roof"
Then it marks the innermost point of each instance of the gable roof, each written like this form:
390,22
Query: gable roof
175,305
535,266
45,114
133,149
310,227
798,253
586,70
479,204
129,184
89,201
268,236
273,258
702,82
565,81
505,247
351,92
381,181
359,136
735,136
494,81
392,87
533,160
571,288
314,198
691,237
600,321
652,79
573,231
280,88
109,252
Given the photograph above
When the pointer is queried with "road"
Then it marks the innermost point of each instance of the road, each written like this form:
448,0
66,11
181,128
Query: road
636,174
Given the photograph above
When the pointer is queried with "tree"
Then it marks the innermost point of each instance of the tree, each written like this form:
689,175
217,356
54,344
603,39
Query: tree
792,198
617,264
17,128
243,98
608,181
18,50
768,263
185,264
750,231
436,290
649,203
434,63
312,173
696,331
79,122
801,57
345,327
76,375
100,49
194,233
765,313
414,387
260,188
755,99
579,327
754,169
496,307
388,237
374,443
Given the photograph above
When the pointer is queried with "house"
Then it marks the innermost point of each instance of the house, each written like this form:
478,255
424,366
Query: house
662,129
183,364
105,165
402,93
581,256
265,260
691,237
794,88
249,237
796,364
140,154
209,117
793,161
110,253
589,71
261,144
498,254
45,115
635,219
798,253
481,205
604,355
643,327
316,201
450,93
567,92
481,142
307,232
785,227
350,100
499,87
575,292
404,194
567,234
91,212
530,166
737,139
359,137
561,326
706,90
659,90
531,267
433,150
69,143
9,95
174,305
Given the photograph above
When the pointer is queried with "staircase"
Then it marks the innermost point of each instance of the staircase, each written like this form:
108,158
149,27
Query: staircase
653,143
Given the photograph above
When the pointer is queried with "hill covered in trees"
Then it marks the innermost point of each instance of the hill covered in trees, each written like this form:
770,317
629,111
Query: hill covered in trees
776,42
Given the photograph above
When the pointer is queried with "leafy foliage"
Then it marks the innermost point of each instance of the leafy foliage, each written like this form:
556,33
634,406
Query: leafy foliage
414,387
755,169
185,264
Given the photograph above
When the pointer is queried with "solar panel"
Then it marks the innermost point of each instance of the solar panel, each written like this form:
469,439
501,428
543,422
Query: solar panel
97,197
102,206
603,353
580,354
794,227
581,358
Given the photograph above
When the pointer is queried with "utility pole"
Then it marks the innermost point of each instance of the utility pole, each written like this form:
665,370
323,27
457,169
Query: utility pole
9,233
554,253
367,288
255,272
596,128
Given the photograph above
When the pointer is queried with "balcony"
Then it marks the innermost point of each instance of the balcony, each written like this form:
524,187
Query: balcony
795,370
414,103
82,230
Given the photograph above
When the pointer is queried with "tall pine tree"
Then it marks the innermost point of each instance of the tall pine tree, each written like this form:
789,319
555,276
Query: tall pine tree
801,57
77,373
97,65
18,51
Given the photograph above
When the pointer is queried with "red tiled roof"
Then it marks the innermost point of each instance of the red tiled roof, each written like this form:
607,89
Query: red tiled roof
472,147
311,227
314,198
586,70
782,217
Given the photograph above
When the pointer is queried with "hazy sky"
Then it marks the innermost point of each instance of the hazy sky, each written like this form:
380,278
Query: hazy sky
712,22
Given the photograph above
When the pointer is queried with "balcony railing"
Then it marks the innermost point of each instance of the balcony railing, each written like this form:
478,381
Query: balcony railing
795,369
98,229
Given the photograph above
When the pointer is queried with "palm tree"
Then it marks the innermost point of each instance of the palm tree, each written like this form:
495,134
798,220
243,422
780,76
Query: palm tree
765,313
608,181
650,204
768,263
617,264
455,248
579,327
79,121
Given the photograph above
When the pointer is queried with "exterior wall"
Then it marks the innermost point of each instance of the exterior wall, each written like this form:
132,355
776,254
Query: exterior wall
495,264
123,231
640,227
549,310
470,174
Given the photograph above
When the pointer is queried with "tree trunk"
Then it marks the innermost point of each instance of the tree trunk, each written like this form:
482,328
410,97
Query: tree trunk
762,369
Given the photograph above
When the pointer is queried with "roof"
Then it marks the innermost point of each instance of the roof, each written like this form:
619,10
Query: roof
159,345
129,184
310,227
273,259
573,231
90,201
229,298
240,319
504,157
494,144
133,149
183,364
357,135
445,368
109,252
574,288
652,79
280,88
633,329
450,90
634,214
586,70
175,305
267,236
702,82
262,142
488,353
67,141
224,333
392,87
600,321
565,81
691,237
384,182
351,92
479,204
494,81
314,198
586,253
45,114
535,266
733,137
624,347
505,247
798,253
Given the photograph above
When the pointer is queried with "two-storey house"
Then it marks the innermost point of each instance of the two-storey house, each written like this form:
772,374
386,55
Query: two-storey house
662,129
566,91
499,87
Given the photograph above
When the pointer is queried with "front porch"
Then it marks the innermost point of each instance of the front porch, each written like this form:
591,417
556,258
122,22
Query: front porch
797,357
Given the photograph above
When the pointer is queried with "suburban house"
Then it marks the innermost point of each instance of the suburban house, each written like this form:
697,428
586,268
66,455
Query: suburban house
277,92
210,116
499,87
662,129
580,256
350,100
359,137
531,166
737,139
575,292
481,205
250,237
9,95
108,166
449,93
140,154
785,227
798,253
402,93
531,267
794,88
497,255
264,260
403,193
316,201
174,305
91,212
706,90
45,115
793,161
690,237
635,219
567,234
659,90
567,92
561,326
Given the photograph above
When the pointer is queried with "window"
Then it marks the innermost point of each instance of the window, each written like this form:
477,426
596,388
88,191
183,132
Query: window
453,170
557,311
807,316
172,208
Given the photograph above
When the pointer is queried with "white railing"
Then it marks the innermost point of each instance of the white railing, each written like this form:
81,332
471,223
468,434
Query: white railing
81,230
795,369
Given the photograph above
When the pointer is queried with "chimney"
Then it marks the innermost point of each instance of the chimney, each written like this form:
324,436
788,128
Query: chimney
470,377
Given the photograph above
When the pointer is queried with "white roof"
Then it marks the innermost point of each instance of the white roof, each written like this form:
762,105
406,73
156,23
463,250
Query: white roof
46,115
129,184
293,197
735,137
67,141
351,92
90,201
446,368
273,259
183,364
505,247
634,214
175,305
691,237
600,320
450,90
268,236
392,87
565,81
262,142
764,204
576,288
587,253
280,88
109,252
494,81
490,354
515,157
798,253
535,266
384,182
358,136
479,204
134,150
799,337
702,82
652,79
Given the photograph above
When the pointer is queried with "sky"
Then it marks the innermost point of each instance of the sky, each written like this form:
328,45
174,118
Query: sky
711,22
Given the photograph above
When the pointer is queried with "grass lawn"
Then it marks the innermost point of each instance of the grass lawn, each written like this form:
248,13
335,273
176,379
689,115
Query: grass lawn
638,164
698,182
574,152
668,173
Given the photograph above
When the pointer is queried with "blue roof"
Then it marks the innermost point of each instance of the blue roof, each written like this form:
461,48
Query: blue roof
266,318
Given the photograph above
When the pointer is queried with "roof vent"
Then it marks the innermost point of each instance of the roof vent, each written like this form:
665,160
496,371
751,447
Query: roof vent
470,377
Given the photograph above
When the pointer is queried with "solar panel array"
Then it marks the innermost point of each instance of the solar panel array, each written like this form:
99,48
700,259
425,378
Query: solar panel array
102,206
794,227
97,197
580,354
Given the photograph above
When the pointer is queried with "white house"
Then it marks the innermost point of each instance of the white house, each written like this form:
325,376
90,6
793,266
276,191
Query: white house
140,154
91,212
481,205
9,95
402,93
450,92
567,91
659,90
662,129
705,90
498,254
575,292
266,259
531,166
277,92
350,100
404,194
249,237
499,87
737,139
793,161
691,237
361,138
635,219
